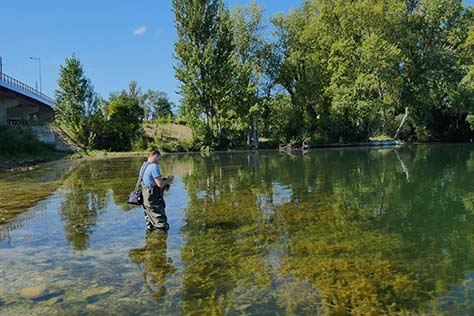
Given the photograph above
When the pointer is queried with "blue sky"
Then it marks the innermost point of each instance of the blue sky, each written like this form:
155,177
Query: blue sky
117,41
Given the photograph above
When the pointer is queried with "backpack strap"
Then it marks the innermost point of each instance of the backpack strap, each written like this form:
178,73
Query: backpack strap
142,172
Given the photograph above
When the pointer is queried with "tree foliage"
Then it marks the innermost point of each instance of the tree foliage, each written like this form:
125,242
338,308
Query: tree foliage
157,105
204,53
349,69
124,121
352,68
76,109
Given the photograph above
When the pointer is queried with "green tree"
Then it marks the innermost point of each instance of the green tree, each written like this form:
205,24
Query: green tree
76,107
437,69
351,69
203,51
124,121
157,104
283,121
300,62
249,44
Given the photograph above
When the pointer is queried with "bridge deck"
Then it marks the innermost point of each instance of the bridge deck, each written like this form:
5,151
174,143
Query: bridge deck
24,89
23,105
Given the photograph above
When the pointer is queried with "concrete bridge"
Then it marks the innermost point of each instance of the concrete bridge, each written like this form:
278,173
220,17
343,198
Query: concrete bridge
21,104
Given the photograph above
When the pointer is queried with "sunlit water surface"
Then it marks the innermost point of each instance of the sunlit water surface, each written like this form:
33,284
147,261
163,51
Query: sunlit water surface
329,232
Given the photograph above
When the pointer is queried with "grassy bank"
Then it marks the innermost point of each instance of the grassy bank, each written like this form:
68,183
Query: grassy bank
19,147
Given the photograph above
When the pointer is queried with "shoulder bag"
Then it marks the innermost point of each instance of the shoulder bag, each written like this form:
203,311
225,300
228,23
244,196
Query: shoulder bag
136,196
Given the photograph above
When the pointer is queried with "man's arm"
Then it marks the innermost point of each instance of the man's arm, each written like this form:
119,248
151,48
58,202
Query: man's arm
161,183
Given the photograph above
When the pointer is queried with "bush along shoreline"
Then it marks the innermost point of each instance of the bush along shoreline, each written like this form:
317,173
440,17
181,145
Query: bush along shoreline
20,147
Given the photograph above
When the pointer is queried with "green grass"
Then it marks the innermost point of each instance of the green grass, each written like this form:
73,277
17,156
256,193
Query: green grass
105,153
380,138
19,146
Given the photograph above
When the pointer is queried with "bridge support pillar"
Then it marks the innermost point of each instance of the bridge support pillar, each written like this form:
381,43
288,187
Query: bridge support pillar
22,112
5,104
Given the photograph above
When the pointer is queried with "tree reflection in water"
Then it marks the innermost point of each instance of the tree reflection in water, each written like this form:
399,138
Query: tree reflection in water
84,200
370,232
333,232
153,262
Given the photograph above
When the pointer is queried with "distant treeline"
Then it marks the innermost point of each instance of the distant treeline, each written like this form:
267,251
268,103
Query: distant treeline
330,71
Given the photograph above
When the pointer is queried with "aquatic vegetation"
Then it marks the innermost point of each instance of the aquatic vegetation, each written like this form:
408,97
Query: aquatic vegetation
333,232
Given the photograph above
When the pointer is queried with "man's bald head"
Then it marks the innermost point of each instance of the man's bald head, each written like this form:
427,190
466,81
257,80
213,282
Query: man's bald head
154,156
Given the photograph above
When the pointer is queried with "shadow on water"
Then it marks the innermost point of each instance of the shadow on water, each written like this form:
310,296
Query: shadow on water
332,232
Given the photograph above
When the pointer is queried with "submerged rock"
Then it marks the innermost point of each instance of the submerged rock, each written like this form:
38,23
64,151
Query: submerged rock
97,292
92,307
53,301
39,292
34,292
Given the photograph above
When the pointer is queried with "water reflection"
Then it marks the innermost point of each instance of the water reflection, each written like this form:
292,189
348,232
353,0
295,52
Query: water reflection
83,202
153,263
22,190
376,232
331,232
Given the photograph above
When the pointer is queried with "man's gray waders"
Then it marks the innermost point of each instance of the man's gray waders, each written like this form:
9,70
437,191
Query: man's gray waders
154,205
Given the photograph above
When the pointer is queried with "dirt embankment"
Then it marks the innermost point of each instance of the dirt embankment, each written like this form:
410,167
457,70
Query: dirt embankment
168,131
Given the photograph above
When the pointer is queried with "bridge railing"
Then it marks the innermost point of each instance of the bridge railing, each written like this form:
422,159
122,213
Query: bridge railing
23,86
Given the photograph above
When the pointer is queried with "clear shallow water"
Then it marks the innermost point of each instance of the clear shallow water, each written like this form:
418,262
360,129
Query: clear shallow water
332,232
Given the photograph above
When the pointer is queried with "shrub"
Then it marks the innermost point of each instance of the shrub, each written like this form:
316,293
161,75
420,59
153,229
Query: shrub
173,146
20,141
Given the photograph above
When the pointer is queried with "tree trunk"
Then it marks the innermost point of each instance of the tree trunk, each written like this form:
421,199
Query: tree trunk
255,134
219,130
384,114
401,124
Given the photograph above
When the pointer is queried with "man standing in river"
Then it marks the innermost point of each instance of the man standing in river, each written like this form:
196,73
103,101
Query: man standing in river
153,187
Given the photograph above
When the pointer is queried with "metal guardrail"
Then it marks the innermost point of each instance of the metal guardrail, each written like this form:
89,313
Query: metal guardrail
23,86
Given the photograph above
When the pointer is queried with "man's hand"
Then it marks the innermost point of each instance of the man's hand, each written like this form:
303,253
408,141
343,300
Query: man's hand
163,182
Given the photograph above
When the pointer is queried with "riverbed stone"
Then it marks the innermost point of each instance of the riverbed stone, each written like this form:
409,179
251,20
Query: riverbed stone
92,307
39,292
34,292
97,292
54,300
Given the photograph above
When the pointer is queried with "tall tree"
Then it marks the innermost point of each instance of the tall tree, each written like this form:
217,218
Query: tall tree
76,103
340,65
434,88
300,60
249,46
204,50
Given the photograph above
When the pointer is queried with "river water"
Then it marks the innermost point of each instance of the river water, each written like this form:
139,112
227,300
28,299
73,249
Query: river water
329,232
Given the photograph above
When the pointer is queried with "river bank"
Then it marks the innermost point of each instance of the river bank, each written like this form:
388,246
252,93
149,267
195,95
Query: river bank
25,161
